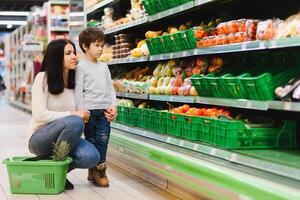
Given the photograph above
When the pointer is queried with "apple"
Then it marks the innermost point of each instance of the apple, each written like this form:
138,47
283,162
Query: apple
178,81
175,90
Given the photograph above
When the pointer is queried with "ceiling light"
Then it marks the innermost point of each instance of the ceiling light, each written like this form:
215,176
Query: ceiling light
9,26
13,22
13,13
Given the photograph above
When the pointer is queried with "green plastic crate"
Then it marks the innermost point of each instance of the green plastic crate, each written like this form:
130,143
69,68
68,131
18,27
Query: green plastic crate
191,38
36,177
262,87
192,127
202,89
207,132
231,86
181,41
170,44
237,135
120,116
157,118
175,124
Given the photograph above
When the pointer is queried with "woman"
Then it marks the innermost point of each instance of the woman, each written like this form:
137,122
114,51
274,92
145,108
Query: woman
54,116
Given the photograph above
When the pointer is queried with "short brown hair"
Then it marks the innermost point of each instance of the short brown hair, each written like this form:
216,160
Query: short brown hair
90,35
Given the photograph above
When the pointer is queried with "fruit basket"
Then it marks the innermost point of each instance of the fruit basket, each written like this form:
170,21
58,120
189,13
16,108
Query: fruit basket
36,177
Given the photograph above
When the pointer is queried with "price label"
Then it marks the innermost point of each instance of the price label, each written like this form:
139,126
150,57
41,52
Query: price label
233,157
244,46
196,146
261,45
168,140
248,104
287,105
181,143
273,44
213,151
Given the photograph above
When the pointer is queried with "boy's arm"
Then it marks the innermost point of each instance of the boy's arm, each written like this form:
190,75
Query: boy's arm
79,81
111,89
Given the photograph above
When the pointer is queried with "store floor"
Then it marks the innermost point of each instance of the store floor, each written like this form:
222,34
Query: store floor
123,186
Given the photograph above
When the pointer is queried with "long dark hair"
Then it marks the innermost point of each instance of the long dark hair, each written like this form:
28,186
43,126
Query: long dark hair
53,66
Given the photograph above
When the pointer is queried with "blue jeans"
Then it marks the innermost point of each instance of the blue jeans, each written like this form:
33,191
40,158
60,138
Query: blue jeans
69,128
97,131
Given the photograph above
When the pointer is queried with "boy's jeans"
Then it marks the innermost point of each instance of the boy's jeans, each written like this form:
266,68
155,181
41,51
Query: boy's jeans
69,128
97,131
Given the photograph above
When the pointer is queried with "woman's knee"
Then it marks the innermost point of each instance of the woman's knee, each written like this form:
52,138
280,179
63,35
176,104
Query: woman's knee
75,123
85,155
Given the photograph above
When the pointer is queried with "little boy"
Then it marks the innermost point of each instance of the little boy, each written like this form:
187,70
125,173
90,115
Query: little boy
94,91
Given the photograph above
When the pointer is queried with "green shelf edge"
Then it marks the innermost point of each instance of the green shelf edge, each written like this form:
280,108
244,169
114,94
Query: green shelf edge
236,185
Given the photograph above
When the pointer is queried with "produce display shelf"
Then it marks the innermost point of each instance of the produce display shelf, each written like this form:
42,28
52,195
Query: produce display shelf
121,27
171,11
99,5
237,103
59,29
286,42
128,60
201,2
53,2
132,95
261,160
181,99
284,105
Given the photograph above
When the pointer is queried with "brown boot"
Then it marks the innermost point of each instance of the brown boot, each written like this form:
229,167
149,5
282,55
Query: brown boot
90,174
99,176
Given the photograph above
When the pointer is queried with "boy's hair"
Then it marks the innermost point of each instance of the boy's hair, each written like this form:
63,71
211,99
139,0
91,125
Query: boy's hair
90,35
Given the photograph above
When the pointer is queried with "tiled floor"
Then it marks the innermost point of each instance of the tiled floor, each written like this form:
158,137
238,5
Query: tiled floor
123,186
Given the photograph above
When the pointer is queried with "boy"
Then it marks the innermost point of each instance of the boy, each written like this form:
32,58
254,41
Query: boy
94,91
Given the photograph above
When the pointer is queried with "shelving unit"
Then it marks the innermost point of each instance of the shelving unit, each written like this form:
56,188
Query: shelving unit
54,30
155,154
19,93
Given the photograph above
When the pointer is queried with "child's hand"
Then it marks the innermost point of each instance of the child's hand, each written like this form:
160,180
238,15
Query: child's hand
111,113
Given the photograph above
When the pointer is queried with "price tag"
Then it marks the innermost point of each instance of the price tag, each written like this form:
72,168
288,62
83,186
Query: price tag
261,45
287,105
195,148
273,44
244,46
181,143
121,150
168,140
144,133
181,8
213,151
248,104
233,157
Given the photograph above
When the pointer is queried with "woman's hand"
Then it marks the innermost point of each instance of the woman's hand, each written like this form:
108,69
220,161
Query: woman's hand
111,113
84,114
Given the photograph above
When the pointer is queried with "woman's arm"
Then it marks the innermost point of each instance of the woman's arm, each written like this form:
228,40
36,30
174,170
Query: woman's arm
40,95
79,81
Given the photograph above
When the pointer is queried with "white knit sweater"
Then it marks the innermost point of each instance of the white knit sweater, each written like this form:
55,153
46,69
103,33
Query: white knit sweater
47,107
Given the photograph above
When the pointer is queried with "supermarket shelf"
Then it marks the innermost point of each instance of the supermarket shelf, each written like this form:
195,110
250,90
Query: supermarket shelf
181,99
59,29
201,2
286,42
21,106
76,14
237,157
237,103
54,16
171,11
127,25
127,60
284,105
59,2
99,5
179,54
132,95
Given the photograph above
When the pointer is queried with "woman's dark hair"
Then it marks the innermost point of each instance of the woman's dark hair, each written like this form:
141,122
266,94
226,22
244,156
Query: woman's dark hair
53,66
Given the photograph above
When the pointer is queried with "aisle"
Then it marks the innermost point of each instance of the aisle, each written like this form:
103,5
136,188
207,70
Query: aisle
123,186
